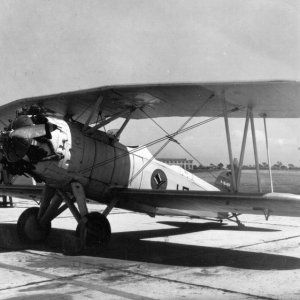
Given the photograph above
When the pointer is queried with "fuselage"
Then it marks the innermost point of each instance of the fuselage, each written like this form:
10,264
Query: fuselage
99,162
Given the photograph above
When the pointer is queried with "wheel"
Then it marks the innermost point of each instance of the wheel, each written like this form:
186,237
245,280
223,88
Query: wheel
94,230
28,228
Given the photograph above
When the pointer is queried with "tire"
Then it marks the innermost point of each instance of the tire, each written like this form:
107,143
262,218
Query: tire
28,228
94,230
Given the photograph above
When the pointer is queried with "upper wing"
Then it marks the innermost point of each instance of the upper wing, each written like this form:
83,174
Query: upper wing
280,204
275,98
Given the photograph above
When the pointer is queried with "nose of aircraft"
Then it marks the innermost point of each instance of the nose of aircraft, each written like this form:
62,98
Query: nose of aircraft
17,139
15,147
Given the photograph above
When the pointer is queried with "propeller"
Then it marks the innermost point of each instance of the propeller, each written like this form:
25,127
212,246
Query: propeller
17,140
15,148
29,132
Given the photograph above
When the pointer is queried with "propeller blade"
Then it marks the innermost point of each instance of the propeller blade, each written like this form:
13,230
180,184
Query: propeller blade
29,132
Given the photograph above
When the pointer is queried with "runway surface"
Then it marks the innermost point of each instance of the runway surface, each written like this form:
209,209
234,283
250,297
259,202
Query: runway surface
154,258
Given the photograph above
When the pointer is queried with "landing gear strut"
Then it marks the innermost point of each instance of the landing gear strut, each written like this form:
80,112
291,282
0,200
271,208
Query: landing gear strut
237,221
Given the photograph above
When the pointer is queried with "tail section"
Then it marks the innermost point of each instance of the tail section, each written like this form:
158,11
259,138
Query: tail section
223,181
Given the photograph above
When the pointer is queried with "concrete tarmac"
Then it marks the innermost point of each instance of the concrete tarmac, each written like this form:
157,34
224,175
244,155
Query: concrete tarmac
154,258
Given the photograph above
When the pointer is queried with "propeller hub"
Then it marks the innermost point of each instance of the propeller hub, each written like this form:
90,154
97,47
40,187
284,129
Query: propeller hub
21,121
16,147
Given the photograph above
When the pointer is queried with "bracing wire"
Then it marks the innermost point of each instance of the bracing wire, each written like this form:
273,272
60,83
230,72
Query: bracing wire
161,139
179,144
170,139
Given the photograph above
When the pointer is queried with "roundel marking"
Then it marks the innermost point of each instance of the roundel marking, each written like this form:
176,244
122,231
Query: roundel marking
159,180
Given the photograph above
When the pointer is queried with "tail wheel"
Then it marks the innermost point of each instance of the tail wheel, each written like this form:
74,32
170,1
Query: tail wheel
28,228
94,229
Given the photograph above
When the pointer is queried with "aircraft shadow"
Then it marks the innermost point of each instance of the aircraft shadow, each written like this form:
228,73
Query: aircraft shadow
194,227
52,296
132,246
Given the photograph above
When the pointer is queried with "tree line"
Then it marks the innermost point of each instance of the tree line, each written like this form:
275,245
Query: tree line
263,166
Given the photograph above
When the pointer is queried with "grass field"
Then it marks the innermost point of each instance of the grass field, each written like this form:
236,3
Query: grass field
283,181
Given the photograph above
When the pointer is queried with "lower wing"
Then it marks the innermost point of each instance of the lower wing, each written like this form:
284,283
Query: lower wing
22,191
155,201
152,201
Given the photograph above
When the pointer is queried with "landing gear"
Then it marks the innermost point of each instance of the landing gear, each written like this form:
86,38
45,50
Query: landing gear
29,229
34,224
237,221
94,230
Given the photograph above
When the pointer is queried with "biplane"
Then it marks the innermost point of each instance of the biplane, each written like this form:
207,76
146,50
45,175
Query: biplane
59,140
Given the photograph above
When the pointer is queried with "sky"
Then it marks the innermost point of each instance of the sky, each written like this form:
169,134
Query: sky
56,46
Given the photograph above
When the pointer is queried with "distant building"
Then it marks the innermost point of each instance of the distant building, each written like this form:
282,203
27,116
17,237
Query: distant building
184,163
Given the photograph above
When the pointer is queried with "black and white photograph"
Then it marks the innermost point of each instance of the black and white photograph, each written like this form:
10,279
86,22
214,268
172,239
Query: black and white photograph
149,149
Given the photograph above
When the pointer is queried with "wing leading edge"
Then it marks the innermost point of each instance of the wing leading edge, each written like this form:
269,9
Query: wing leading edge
278,99
280,204
22,191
